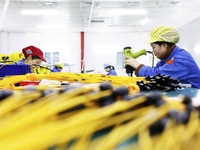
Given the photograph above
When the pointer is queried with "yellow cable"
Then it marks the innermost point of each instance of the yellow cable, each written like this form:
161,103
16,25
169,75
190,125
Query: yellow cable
126,131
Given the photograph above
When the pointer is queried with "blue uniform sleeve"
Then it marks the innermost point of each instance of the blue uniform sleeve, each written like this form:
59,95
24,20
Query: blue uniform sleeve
21,62
176,68
112,72
54,70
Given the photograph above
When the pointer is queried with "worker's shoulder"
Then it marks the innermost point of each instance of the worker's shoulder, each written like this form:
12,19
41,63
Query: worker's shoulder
182,53
184,57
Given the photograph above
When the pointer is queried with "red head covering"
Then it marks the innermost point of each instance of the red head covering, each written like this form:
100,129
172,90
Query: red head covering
33,51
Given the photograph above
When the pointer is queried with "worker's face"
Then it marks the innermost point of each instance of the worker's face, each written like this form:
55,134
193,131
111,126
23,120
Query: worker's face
107,69
59,68
33,62
159,50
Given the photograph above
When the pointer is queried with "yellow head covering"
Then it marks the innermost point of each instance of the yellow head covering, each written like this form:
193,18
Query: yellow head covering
164,33
59,64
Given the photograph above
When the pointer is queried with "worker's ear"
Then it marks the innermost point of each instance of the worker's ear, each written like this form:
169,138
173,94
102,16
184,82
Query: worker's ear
29,57
164,45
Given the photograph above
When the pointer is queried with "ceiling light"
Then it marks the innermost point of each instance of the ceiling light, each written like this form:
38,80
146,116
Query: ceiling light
51,26
40,12
128,11
89,4
144,21
177,3
48,4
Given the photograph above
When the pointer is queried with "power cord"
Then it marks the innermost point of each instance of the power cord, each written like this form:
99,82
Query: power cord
150,52
43,67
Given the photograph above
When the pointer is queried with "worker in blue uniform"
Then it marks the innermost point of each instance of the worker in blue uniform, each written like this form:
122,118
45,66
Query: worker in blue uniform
57,67
110,69
174,61
33,57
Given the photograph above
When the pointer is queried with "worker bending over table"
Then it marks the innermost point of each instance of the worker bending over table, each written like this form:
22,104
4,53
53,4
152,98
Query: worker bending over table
58,67
110,69
33,57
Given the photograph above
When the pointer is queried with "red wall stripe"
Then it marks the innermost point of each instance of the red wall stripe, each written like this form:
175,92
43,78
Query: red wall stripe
82,53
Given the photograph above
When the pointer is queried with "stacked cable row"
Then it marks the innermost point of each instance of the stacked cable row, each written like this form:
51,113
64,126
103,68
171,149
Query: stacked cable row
9,81
97,118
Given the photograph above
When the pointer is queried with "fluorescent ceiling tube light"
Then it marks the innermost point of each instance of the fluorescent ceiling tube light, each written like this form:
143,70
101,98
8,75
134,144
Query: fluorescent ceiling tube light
144,21
51,26
39,12
128,12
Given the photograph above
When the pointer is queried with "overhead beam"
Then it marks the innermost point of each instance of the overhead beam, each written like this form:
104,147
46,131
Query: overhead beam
4,13
91,11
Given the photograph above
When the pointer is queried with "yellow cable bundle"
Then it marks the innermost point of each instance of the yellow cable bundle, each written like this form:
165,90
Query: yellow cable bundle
3,57
163,140
15,57
73,77
35,107
174,137
40,119
145,141
126,131
25,120
11,103
9,81
89,78
177,137
189,135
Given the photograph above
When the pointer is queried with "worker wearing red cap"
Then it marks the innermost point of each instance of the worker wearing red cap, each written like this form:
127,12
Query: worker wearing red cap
33,57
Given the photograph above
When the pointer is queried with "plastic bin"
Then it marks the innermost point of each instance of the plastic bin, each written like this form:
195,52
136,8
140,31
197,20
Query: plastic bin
6,70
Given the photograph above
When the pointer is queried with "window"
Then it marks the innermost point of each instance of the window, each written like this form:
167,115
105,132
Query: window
49,56
120,60
55,57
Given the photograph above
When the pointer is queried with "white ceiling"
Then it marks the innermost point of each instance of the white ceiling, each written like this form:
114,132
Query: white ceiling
94,15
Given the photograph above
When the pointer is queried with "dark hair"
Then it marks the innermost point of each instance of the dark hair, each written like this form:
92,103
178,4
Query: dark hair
36,57
111,67
162,42
58,67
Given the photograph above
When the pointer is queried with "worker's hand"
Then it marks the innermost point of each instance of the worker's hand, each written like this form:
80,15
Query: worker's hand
131,62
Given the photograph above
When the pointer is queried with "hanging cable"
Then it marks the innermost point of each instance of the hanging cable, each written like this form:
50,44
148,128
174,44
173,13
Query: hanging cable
150,52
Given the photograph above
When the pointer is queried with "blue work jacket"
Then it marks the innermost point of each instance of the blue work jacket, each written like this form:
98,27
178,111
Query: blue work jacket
179,64
55,70
112,72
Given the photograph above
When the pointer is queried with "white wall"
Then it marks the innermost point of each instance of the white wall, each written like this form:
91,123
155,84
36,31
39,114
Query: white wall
3,42
67,44
190,39
100,48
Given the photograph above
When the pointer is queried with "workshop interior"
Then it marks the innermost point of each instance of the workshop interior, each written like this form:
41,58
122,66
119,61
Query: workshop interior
99,74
